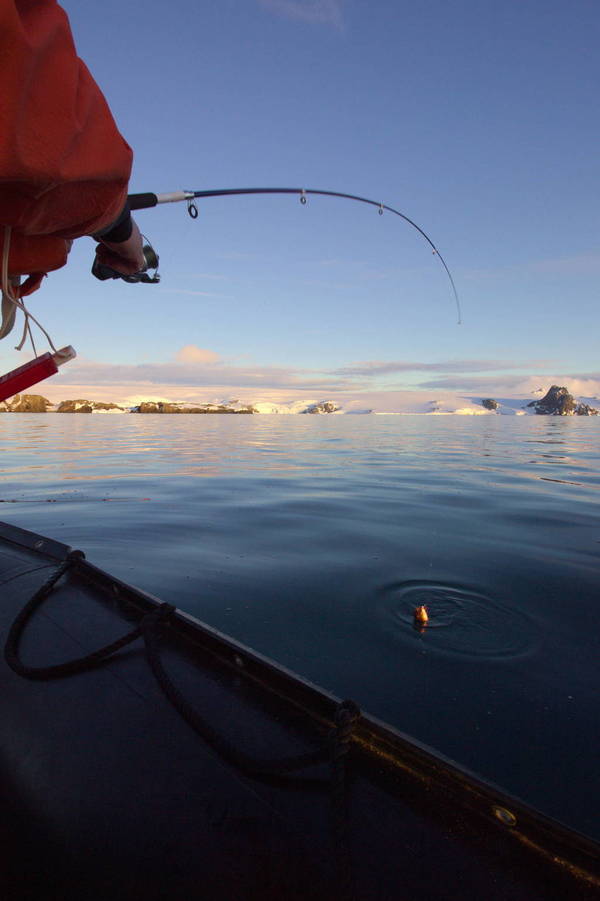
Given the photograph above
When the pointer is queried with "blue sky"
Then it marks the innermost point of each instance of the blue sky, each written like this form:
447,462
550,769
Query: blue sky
477,119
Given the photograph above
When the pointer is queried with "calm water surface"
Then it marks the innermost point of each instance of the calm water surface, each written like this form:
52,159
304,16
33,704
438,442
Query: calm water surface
312,538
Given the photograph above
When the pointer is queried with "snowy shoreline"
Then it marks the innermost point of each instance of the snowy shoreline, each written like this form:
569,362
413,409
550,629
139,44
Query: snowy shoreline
556,401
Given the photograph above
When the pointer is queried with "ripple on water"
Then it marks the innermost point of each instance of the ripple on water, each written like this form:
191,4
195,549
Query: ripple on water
462,622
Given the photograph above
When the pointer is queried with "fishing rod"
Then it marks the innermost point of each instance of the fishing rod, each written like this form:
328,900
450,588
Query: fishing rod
46,365
148,200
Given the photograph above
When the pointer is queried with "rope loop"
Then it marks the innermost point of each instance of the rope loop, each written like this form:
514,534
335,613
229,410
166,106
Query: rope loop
250,766
151,629
70,667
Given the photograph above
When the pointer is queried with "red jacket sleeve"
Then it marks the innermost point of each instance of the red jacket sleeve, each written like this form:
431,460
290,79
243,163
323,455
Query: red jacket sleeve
64,167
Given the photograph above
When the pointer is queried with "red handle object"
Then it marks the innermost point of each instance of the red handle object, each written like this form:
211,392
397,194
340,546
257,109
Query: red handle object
35,371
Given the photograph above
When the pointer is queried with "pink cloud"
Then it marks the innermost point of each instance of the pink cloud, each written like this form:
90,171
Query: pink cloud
192,354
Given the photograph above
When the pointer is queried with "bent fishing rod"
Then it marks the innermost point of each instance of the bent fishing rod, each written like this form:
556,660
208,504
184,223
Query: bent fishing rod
148,200
47,364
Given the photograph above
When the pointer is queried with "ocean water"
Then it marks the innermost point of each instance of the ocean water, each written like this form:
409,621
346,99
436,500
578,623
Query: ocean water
312,539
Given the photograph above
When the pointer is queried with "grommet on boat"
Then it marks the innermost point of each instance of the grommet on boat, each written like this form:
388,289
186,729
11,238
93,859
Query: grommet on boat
505,816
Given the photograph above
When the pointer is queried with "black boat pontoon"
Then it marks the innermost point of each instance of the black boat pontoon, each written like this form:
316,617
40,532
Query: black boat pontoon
175,763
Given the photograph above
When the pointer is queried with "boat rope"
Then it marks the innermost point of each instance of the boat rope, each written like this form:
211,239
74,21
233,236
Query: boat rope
70,667
334,750
10,297
148,200
250,766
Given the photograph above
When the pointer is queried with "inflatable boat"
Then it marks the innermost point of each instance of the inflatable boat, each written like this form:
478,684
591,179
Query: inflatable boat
145,755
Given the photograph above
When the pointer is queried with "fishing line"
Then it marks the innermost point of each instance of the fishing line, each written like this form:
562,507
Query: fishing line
147,200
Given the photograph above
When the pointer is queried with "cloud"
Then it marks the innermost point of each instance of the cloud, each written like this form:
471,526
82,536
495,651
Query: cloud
584,386
370,368
322,12
216,382
580,385
192,354
200,369
196,374
493,384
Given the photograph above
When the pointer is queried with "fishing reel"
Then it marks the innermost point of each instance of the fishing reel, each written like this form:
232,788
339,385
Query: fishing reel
103,272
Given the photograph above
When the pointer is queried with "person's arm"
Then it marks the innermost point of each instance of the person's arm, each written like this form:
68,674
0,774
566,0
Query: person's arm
64,167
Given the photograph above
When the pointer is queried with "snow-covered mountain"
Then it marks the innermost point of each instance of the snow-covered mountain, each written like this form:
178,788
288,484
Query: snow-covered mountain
556,401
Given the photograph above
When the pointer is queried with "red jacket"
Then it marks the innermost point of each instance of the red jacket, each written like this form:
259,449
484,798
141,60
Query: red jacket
64,167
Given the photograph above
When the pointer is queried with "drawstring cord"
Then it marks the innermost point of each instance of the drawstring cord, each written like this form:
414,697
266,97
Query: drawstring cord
8,293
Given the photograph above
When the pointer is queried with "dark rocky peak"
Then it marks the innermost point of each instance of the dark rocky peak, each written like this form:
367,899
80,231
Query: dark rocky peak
489,403
558,402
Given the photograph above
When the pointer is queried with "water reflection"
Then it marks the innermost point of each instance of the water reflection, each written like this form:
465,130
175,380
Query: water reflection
282,530
95,448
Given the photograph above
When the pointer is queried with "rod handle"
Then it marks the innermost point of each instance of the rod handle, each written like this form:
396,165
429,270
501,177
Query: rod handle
142,201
